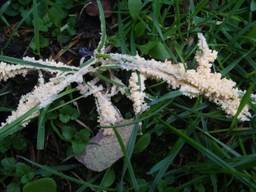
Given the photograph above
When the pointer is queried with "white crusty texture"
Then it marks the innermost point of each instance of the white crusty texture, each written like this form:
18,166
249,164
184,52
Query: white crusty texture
41,80
200,81
137,90
89,88
44,95
212,85
204,56
108,113
31,100
171,73
8,71
41,96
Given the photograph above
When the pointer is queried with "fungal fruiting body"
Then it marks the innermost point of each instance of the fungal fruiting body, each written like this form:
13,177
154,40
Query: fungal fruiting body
193,82
108,113
137,89
8,71
43,95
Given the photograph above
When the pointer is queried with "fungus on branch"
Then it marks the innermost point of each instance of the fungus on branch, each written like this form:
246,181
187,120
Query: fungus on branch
192,83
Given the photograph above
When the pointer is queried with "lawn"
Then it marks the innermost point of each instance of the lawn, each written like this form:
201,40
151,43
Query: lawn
126,75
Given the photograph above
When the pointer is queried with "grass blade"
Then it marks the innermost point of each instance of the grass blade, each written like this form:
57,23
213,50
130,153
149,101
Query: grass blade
15,126
41,129
35,65
127,161
57,173
167,161
4,7
130,149
246,179
244,101
36,26
103,37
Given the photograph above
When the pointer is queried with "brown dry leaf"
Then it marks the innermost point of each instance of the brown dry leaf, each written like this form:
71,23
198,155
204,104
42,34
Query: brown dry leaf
92,9
104,151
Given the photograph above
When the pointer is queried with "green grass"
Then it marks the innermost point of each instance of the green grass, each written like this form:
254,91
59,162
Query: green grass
193,145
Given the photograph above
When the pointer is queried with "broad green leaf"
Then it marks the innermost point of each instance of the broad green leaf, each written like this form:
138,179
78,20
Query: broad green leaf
44,42
22,169
27,177
139,29
41,185
142,143
155,49
147,47
64,118
8,165
159,51
56,14
78,147
68,113
42,26
134,7
13,187
68,132
83,135
108,178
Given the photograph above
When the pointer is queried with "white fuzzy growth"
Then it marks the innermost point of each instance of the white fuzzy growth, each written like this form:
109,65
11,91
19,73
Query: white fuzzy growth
171,73
189,90
41,96
44,94
8,71
41,80
217,89
108,113
200,81
211,84
204,55
192,83
137,88
89,88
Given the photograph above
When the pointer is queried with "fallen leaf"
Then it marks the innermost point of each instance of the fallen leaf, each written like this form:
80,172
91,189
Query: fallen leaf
104,151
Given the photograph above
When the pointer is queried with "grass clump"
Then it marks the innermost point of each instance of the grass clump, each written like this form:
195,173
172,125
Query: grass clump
186,145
